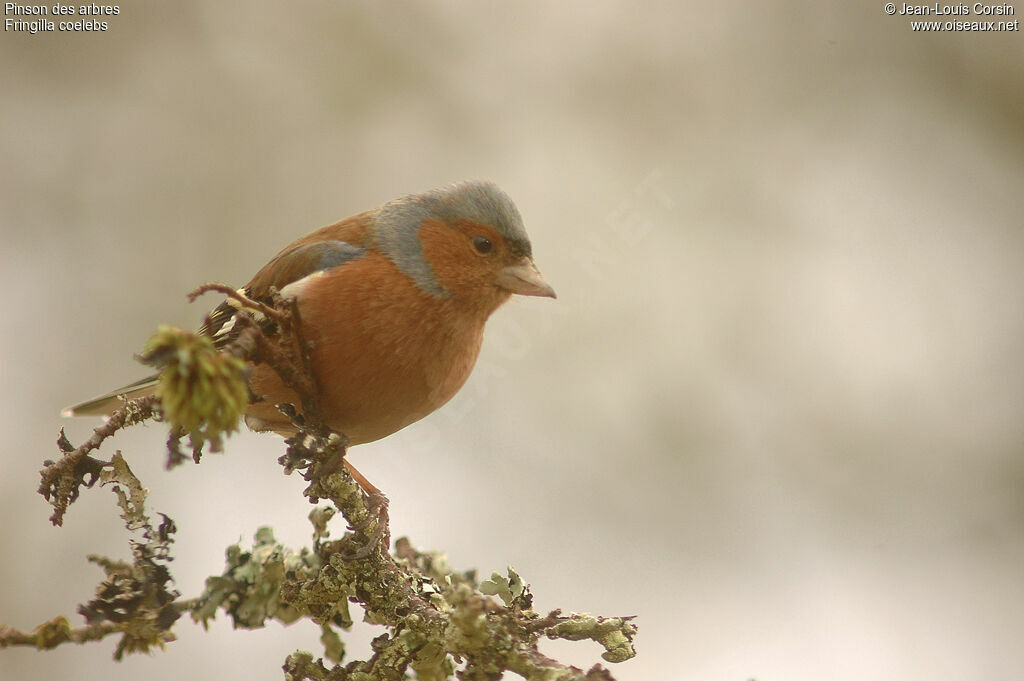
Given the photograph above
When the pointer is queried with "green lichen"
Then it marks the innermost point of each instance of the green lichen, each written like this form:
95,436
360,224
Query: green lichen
511,589
53,633
614,633
249,589
202,391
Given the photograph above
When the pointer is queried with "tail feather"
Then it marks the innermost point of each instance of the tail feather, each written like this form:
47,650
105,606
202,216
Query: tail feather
107,404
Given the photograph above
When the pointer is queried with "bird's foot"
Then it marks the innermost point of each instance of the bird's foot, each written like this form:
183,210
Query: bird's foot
379,538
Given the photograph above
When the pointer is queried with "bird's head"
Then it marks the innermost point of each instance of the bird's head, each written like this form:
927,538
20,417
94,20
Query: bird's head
465,242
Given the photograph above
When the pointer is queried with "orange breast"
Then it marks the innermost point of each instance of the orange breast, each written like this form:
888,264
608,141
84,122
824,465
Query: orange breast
384,353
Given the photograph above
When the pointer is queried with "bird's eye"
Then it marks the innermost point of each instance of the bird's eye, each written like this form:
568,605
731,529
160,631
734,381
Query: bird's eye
482,244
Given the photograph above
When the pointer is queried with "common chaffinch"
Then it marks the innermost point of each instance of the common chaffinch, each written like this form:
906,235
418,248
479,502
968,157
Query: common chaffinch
393,303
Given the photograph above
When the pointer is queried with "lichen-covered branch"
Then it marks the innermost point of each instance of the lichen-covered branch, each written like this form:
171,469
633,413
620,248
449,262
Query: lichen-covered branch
437,618
53,633
437,623
62,480
136,599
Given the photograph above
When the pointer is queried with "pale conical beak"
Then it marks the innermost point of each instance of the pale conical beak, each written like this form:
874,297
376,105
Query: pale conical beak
525,279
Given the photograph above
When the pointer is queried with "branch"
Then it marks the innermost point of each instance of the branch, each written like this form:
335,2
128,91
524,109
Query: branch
438,622
238,296
49,635
57,631
285,352
432,612
62,480
135,599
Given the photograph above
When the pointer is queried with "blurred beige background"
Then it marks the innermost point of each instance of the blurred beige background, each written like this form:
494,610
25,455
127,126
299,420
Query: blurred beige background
776,411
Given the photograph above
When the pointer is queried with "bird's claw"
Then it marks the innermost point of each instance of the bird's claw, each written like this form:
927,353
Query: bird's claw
380,538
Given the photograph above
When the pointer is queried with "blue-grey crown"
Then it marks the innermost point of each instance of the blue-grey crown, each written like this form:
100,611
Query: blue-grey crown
397,222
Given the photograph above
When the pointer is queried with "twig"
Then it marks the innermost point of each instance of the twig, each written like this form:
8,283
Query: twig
57,631
237,296
62,480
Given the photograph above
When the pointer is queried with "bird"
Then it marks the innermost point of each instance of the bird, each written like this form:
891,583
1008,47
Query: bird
392,301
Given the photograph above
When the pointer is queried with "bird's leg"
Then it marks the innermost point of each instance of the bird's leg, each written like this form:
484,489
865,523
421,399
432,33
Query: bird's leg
367,486
376,504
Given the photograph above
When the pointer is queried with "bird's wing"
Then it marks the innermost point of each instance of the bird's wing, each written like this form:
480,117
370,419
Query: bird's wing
286,268
289,266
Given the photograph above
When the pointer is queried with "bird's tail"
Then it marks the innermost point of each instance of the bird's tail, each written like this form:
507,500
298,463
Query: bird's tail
106,404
